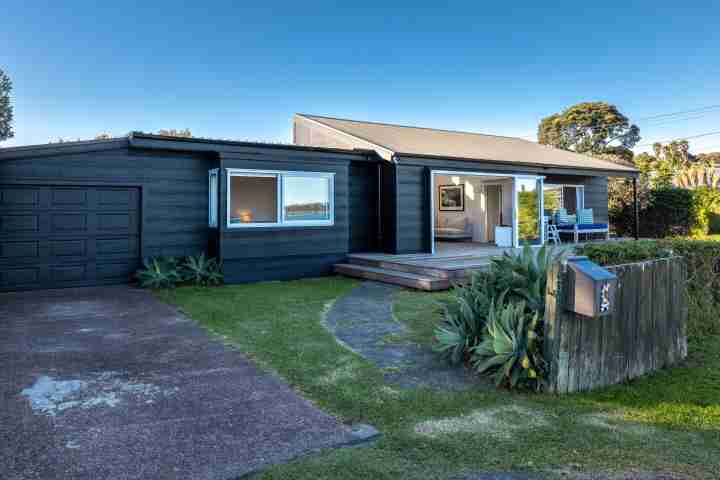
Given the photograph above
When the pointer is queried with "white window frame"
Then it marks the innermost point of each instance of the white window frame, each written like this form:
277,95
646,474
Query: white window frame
579,193
213,185
279,176
514,176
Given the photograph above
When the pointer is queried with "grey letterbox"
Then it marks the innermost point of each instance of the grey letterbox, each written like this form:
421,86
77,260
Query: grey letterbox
591,288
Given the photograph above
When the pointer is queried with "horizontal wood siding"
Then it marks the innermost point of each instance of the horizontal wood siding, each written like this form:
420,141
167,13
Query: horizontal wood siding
173,187
596,197
363,205
413,214
413,217
279,253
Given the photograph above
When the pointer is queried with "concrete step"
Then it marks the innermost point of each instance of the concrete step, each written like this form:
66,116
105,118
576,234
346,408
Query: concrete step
395,277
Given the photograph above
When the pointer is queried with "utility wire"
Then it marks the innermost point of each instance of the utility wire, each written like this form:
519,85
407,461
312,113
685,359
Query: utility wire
665,118
706,134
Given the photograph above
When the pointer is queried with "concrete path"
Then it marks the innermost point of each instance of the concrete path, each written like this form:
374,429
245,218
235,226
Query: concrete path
363,320
111,383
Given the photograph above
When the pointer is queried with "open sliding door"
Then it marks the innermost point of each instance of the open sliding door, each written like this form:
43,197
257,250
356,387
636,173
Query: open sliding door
528,211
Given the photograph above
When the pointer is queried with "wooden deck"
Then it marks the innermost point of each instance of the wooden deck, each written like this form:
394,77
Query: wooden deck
451,263
423,271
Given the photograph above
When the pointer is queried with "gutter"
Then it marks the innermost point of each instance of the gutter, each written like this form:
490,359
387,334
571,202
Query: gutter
625,173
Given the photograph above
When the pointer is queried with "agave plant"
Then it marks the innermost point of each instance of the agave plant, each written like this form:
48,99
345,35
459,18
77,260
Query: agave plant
525,274
510,349
465,316
158,273
201,270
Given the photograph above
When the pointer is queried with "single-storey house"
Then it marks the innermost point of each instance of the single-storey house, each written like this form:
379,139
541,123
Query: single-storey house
86,213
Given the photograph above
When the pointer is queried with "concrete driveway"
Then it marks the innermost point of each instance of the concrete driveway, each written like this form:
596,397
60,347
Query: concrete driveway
111,383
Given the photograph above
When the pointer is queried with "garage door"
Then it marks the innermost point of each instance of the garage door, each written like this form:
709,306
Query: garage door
58,236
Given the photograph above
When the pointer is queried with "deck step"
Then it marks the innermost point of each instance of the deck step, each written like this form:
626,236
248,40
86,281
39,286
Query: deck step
396,277
445,268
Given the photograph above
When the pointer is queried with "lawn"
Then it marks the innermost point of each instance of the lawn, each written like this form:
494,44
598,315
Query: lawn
667,422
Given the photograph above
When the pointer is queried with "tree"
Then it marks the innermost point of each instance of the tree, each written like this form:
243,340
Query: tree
184,133
711,159
669,162
6,109
591,127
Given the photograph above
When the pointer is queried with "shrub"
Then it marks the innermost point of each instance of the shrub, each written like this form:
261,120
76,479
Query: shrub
714,223
167,272
201,271
160,272
670,211
511,280
706,204
702,260
510,349
524,275
617,253
465,316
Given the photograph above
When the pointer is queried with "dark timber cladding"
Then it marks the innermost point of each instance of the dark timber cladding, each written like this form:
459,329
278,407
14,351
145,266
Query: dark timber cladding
412,228
85,213
274,253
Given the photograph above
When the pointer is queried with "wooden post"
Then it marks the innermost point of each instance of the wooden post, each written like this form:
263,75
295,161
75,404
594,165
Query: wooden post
636,210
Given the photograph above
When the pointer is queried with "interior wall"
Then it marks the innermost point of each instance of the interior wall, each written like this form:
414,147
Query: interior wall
474,212
254,198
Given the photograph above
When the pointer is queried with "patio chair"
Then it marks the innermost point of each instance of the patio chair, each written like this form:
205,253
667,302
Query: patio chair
551,231
584,226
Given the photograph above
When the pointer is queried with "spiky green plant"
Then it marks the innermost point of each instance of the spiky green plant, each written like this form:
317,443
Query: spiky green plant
525,274
510,349
465,316
200,270
159,272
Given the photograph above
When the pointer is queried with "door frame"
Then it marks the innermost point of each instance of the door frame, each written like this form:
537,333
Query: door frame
515,177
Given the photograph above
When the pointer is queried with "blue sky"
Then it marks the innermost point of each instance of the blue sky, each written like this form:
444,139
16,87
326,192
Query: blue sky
228,70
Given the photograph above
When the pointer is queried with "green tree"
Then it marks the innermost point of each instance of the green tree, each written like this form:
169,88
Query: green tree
711,159
591,127
662,169
6,109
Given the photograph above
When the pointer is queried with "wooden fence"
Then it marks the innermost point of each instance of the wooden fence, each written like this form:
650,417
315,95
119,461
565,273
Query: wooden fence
645,332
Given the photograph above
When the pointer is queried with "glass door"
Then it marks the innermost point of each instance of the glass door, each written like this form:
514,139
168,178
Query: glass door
528,211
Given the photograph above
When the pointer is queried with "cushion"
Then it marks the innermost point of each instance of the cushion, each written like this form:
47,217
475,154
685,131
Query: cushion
584,226
449,231
585,216
561,216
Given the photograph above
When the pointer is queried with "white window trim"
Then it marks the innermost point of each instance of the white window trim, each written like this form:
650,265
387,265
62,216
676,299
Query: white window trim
579,193
279,175
514,219
213,185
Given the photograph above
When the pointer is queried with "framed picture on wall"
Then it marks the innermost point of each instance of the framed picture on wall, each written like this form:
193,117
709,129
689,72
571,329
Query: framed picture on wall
452,198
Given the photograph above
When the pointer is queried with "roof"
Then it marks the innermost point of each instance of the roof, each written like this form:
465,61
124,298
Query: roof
404,140
149,140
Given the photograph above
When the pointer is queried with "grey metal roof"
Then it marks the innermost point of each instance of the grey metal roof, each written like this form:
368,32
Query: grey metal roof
429,142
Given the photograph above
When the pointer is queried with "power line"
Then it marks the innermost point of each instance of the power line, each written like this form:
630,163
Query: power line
706,134
665,118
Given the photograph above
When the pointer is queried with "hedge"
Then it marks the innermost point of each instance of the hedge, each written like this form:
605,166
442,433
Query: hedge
702,258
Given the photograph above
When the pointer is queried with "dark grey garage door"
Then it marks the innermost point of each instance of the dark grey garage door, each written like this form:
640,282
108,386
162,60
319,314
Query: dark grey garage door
59,236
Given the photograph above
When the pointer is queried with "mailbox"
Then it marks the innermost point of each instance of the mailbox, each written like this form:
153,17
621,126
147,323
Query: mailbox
591,288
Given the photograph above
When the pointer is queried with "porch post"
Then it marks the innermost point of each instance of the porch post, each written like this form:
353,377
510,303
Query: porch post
636,210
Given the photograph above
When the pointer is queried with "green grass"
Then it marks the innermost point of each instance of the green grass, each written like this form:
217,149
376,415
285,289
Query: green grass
666,422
